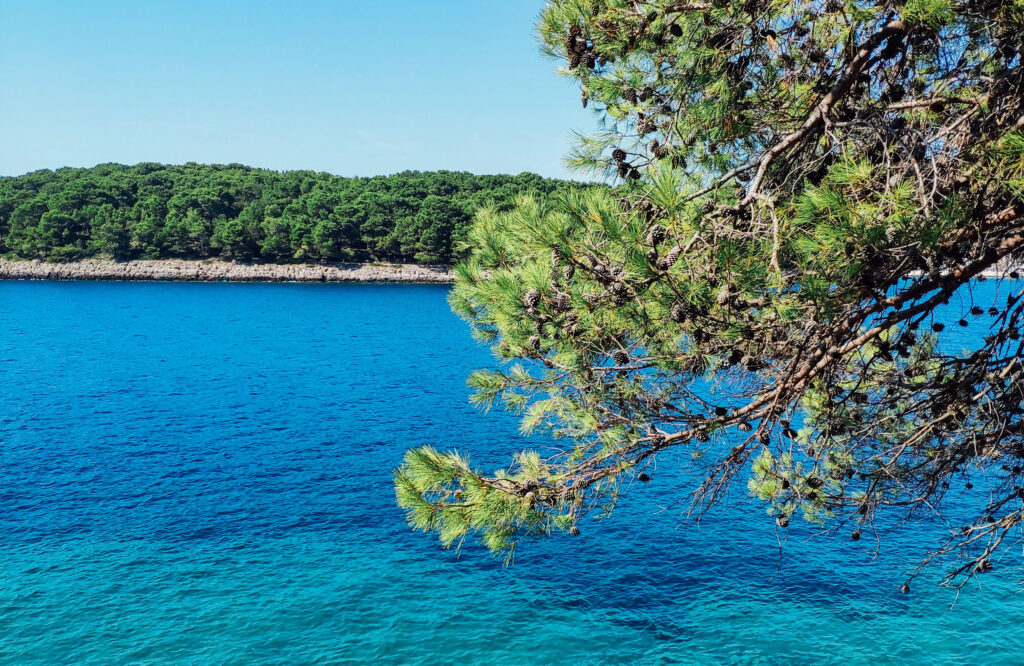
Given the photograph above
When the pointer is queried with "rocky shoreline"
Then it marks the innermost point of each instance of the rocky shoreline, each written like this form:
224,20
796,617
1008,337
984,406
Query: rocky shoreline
182,270
212,270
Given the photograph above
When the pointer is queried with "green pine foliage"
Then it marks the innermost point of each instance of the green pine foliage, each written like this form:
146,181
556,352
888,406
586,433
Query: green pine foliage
196,211
800,186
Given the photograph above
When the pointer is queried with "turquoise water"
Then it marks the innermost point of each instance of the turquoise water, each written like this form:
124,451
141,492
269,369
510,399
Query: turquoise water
200,473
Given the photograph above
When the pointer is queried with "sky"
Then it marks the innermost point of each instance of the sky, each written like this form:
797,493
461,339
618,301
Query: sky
354,88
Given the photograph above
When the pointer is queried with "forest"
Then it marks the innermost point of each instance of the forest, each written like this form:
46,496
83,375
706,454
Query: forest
235,212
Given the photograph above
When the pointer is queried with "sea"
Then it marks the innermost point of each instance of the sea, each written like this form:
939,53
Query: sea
201,474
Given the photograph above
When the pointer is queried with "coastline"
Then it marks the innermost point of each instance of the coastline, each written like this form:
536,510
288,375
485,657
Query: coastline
210,270
216,270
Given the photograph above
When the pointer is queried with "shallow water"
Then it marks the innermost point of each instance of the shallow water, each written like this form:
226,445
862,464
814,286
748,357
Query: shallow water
200,473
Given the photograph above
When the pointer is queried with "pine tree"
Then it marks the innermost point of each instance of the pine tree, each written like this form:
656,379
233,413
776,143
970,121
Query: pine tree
838,170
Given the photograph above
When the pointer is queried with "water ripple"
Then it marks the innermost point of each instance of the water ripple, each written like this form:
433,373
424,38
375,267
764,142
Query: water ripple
201,474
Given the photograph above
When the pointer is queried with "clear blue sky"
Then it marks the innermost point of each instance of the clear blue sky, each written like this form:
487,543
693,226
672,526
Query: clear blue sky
345,86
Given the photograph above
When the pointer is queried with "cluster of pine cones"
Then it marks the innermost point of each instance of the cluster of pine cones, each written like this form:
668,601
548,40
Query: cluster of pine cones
657,235
579,49
626,170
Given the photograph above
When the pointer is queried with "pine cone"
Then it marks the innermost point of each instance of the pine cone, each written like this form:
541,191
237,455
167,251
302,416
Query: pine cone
619,292
534,341
620,357
892,48
679,313
571,320
569,271
618,155
532,299
657,234
670,259
574,32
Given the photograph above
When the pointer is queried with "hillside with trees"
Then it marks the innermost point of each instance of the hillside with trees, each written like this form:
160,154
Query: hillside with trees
198,211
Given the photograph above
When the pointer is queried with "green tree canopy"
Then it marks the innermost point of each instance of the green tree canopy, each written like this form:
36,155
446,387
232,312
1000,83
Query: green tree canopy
230,211
803,184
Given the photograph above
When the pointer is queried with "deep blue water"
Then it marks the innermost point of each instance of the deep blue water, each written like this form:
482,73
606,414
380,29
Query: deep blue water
200,473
